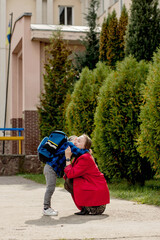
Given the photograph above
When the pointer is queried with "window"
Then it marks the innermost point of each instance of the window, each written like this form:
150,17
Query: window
65,15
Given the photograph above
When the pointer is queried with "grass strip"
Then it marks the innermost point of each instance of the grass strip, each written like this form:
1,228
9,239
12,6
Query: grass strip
148,194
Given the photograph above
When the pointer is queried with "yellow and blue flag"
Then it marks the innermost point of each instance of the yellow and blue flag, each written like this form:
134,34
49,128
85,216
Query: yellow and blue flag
8,39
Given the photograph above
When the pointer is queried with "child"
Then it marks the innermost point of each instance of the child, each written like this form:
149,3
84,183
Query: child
54,168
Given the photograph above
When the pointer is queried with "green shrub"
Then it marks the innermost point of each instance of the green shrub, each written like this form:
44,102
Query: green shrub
116,123
149,139
81,109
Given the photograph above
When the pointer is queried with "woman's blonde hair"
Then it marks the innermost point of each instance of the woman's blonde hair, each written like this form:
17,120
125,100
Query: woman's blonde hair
88,142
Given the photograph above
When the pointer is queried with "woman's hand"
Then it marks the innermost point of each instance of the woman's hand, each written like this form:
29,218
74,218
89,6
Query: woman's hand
68,153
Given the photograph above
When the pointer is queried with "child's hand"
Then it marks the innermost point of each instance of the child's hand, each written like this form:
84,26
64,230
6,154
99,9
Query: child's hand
68,153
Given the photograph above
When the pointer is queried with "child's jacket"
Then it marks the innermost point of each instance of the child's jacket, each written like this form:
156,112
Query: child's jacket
58,161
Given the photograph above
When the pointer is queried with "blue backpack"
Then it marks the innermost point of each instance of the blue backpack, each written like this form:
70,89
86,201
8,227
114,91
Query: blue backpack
49,145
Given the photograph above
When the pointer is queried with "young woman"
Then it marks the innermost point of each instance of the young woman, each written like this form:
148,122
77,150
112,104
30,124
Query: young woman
88,185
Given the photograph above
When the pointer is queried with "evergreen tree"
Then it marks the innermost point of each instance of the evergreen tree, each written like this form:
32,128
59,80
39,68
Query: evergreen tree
143,32
117,126
113,40
81,109
90,56
122,25
58,78
103,40
149,139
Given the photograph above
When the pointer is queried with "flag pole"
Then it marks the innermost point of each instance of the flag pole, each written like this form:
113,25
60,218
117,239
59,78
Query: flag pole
9,53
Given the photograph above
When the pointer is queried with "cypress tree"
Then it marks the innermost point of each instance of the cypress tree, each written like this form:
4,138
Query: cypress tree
58,78
143,32
122,26
90,57
117,126
104,40
113,40
149,139
81,109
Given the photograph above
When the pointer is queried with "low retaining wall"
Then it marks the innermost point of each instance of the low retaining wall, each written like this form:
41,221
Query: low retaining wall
14,164
7,147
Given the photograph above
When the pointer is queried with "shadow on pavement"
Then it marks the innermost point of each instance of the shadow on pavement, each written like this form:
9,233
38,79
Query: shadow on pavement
72,219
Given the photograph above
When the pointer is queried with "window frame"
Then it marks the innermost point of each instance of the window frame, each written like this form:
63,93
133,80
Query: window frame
65,15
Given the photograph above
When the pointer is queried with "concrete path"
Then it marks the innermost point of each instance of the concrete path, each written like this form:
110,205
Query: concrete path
21,216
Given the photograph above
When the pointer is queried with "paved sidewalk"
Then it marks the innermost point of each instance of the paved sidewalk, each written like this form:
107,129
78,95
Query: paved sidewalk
21,216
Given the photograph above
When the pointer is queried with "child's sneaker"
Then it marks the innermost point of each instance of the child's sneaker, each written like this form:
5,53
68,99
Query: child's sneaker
50,212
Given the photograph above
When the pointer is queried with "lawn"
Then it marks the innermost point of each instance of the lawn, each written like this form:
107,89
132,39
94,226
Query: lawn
148,194
39,178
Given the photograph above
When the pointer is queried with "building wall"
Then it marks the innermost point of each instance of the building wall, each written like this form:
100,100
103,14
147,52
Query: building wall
127,3
115,6
24,87
6,8
101,18
20,7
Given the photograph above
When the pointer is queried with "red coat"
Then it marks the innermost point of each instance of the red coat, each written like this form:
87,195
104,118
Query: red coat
89,185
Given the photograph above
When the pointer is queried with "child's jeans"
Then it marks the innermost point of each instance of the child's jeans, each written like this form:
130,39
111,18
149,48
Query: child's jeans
51,177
